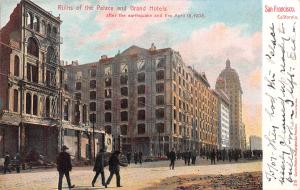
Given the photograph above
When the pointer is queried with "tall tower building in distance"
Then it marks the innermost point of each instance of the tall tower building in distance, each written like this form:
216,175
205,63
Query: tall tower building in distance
229,82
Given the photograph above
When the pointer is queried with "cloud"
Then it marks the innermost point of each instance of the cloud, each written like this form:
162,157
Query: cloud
221,41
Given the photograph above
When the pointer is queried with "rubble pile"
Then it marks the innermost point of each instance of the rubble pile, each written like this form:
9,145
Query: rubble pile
242,181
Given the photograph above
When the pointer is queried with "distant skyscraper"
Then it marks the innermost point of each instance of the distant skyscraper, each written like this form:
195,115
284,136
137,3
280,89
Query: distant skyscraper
229,82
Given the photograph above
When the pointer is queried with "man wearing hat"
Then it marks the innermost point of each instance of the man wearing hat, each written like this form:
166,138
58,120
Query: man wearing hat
99,166
64,166
114,168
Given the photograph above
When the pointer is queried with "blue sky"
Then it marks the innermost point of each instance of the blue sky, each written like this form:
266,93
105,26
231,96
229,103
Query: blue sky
230,29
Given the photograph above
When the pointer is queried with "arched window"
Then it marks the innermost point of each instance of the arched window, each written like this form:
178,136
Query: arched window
29,20
93,106
28,103
47,107
48,29
54,32
141,128
123,129
66,111
16,100
17,66
32,47
36,24
35,105
107,117
43,27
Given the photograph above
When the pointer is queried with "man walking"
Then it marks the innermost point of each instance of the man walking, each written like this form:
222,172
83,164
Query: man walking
128,155
6,163
114,168
172,157
99,167
194,155
64,166
135,157
213,157
140,157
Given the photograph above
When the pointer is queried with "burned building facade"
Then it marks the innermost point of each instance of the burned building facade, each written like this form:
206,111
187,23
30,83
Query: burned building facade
149,100
30,81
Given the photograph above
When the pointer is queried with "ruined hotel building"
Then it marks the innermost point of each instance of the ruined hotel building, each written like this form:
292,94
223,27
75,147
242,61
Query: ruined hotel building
39,112
149,100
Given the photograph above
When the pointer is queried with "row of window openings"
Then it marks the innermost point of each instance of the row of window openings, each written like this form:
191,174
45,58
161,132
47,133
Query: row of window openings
33,22
160,100
141,115
140,78
160,63
93,85
141,129
31,104
141,89
124,102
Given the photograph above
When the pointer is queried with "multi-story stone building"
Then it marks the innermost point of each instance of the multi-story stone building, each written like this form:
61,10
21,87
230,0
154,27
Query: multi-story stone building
229,82
150,101
38,111
224,119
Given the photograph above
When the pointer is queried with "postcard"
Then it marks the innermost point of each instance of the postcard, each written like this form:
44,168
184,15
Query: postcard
149,94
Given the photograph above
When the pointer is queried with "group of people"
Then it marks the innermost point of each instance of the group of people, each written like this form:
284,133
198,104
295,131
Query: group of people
7,163
138,157
222,154
64,166
213,155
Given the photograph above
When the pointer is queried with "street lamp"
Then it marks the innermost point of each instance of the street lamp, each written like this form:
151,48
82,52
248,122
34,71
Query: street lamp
93,120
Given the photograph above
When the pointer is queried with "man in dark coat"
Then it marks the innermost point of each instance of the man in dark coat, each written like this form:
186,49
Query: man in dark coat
99,167
189,155
140,157
135,157
6,163
64,166
128,155
172,157
114,168
213,156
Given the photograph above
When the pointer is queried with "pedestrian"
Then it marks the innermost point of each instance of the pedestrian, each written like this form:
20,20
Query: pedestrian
18,162
135,157
140,157
99,167
64,166
194,155
172,157
223,154
189,155
128,157
114,168
6,163
213,157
